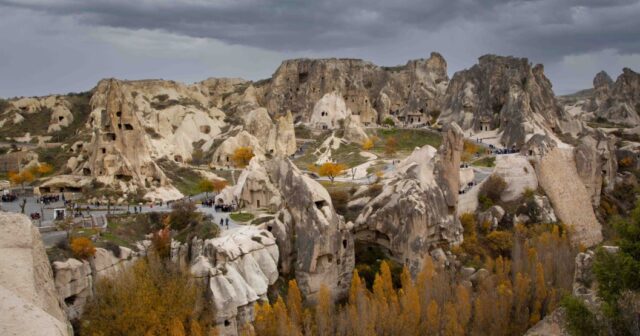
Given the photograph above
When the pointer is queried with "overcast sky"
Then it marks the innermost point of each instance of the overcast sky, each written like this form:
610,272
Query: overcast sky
58,46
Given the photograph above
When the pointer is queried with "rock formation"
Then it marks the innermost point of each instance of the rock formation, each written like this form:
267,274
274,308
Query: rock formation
28,301
254,189
224,153
596,163
518,173
316,245
505,94
277,139
414,212
237,268
617,102
409,93
558,176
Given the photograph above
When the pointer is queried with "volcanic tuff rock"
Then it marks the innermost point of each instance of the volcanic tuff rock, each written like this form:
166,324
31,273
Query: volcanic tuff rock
58,108
28,301
315,244
276,138
237,268
558,176
617,102
503,93
596,163
370,91
415,210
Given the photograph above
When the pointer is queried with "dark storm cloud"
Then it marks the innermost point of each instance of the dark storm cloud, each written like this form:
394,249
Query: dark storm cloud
384,31
546,28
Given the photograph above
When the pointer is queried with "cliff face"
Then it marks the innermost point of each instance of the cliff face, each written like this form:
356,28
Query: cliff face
505,94
371,92
29,303
617,101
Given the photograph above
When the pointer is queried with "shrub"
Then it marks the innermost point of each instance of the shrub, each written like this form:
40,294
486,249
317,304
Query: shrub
82,248
388,122
161,243
500,242
183,214
580,320
493,188
339,198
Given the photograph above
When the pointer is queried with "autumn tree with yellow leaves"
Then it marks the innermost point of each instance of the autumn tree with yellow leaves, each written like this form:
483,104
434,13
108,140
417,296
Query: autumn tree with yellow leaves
241,156
331,170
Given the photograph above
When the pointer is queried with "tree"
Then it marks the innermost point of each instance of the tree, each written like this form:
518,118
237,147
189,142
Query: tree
44,168
388,122
331,170
151,297
65,225
294,303
205,186
368,144
21,178
82,248
391,146
219,185
241,156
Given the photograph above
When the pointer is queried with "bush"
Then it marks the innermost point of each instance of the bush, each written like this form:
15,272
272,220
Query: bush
388,122
82,248
580,320
493,188
339,198
500,242
183,214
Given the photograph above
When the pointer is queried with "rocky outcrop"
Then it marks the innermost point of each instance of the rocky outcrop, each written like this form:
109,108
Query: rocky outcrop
224,153
58,107
315,244
254,189
408,93
237,268
553,324
505,94
415,211
491,217
518,174
596,163
617,102
28,301
277,139
75,279
448,165
558,176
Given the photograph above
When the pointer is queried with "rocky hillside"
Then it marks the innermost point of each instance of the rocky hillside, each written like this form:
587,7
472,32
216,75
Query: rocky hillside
507,95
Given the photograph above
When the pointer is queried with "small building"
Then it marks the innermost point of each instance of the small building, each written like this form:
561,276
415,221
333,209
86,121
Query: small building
485,124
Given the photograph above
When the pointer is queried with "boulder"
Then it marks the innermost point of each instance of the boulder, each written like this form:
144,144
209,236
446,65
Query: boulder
493,216
596,163
518,173
74,284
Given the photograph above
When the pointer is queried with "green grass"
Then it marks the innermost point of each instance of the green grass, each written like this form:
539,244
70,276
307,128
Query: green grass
489,161
125,229
408,139
185,179
56,156
241,216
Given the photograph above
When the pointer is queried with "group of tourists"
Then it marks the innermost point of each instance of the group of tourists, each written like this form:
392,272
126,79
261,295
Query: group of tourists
46,199
9,197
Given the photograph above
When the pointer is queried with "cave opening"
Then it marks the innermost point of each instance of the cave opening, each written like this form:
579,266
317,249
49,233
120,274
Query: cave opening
369,256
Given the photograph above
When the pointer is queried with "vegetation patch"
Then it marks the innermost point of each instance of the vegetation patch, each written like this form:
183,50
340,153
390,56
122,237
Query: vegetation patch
184,179
241,216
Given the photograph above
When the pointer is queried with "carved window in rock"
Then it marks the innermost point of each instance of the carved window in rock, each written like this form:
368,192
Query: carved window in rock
206,129
128,127
119,114
110,137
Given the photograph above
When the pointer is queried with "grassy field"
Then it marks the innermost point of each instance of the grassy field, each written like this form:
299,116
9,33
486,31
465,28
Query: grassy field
489,161
185,179
408,139
241,216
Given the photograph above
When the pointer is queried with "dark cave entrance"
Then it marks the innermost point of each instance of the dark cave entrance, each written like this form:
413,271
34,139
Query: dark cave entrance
371,248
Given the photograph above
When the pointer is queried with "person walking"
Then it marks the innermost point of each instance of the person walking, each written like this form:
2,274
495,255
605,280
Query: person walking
227,222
